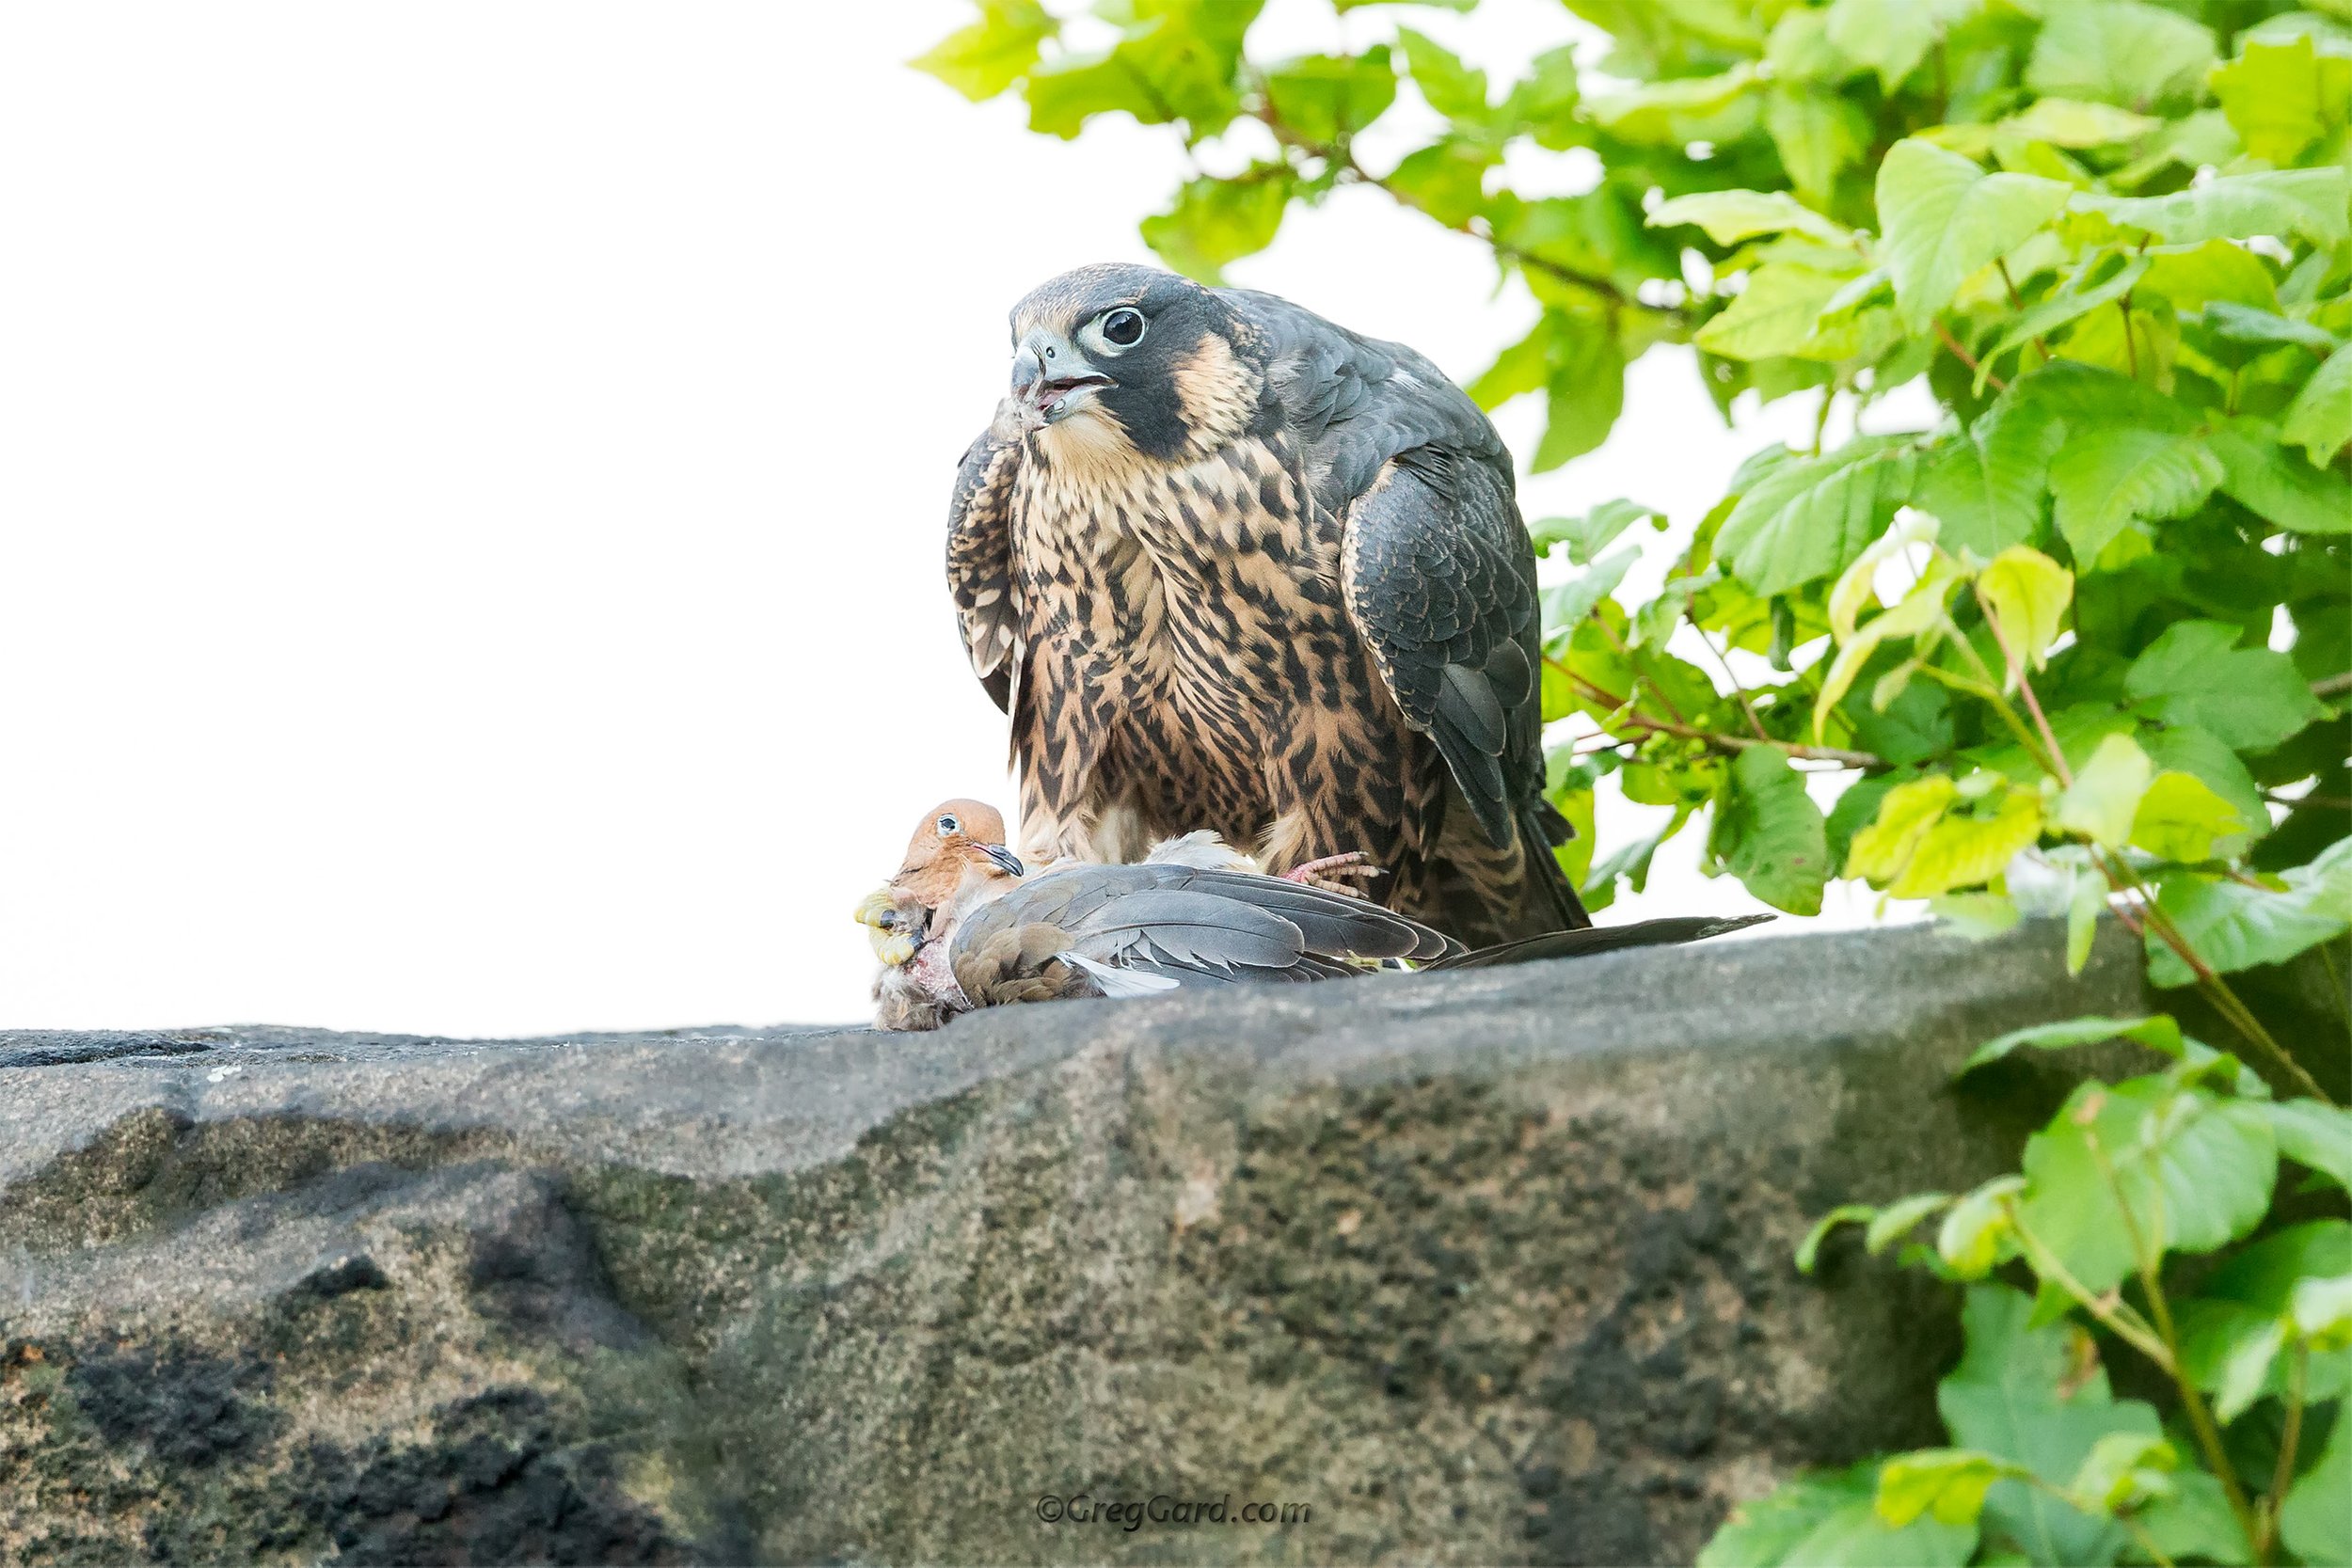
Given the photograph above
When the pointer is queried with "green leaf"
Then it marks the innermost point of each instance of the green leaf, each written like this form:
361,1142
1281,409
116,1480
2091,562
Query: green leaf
2195,1522
1896,1220
1905,814
2315,1522
2073,122
1768,833
1175,61
1216,221
2315,1134
2180,818
2231,1353
2121,1469
1890,37
1631,861
2028,594
2278,202
1586,391
1806,518
2069,304
2194,751
1978,916
1760,1534
1949,1484
983,59
1856,1537
2264,479
1683,110
2157,1033
2085,903
1943,217
2106,795
1830,1517
2036,1397
2321,1311
2195,277
2119,51
2195,1173
2234,926
1921,616
1566,604
2194,674
1585,536
1447,180
1730,216
1970,1238
1543,103
2320,418
2238,323
1986,488
2106,480
1819,135
1969,850
1809,1250
1328,98
1777,314
2282,96
1453,89
1523,367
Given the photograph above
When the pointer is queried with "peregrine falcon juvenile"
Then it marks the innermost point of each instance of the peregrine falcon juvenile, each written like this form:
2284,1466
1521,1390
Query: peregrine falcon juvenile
1228,566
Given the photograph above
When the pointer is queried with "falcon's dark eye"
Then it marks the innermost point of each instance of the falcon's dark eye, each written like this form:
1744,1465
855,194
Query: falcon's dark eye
949,825
1123,327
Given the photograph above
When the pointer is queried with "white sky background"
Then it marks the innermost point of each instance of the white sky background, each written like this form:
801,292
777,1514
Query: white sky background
472,482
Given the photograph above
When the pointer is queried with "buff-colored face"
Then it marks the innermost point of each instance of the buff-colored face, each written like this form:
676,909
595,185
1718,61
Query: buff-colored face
1115,362
955,839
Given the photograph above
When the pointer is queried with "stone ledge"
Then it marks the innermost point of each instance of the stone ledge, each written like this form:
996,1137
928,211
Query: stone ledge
1486,1267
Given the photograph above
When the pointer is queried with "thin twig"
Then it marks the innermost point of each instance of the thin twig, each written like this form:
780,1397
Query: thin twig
2332,685
1727,744
2151,1259
2120,1320
1723,662
2290,1437
1961,350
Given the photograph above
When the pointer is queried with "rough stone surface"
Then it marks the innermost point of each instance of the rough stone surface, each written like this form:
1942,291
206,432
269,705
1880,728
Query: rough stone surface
1478,1268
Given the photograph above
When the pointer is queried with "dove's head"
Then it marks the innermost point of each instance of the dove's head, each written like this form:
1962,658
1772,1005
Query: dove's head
958,842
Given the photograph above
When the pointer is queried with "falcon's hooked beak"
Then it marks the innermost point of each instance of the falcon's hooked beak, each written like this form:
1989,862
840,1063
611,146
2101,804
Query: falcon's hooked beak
1053,378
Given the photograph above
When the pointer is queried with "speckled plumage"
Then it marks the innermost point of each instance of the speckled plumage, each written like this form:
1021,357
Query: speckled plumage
1271,581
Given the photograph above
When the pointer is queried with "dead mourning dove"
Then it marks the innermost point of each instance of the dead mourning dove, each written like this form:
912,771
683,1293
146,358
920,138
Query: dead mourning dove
960,925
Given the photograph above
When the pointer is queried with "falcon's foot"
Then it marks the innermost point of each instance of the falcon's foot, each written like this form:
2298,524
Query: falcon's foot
1336,873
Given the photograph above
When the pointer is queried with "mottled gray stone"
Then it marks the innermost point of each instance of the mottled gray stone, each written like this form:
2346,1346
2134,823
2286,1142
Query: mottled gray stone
1481,1268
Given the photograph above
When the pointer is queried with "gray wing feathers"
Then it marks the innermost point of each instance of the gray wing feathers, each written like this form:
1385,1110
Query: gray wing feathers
1357,402
1189,929
1441,580
1204,926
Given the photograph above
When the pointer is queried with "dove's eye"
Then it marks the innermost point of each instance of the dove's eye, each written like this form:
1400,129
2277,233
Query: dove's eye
949,825
1123,327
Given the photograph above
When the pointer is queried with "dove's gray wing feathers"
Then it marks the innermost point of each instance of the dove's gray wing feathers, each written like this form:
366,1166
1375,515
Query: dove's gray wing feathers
1203,926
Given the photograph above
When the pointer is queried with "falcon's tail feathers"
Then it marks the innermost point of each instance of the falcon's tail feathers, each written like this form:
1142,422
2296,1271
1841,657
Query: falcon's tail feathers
1600,939
1541,826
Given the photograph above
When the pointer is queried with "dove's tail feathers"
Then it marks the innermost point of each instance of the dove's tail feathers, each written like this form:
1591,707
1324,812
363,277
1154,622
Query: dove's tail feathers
1667,932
